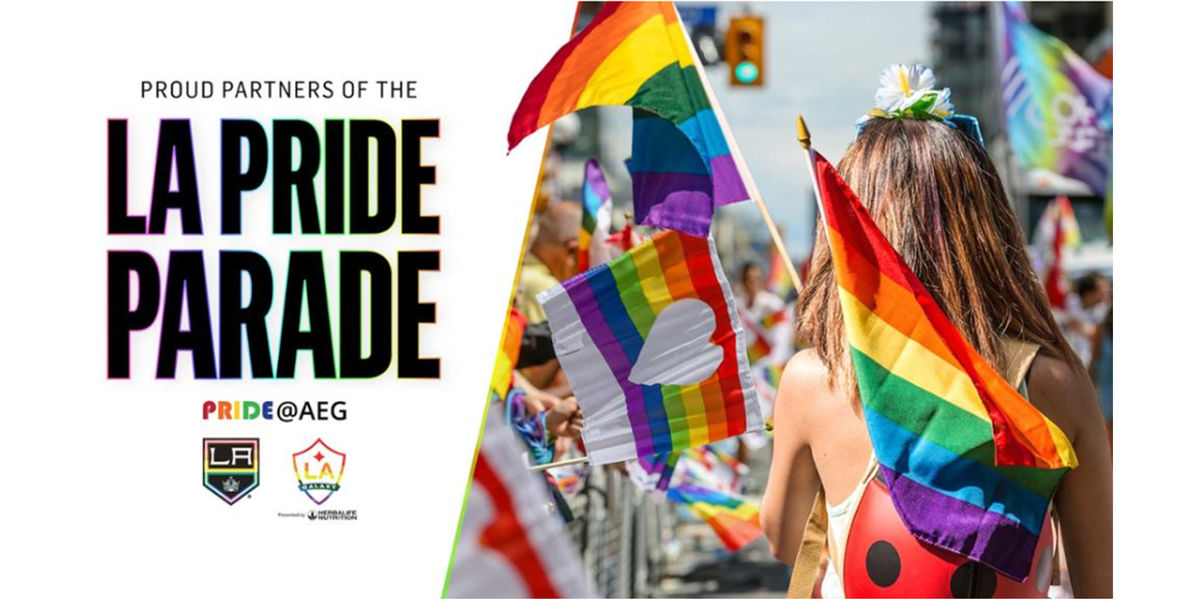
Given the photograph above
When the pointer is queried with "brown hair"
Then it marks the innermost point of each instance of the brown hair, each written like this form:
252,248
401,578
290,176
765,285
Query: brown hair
936,196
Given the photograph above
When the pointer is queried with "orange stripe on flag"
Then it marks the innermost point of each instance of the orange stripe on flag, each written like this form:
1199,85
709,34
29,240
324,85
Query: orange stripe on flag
577,70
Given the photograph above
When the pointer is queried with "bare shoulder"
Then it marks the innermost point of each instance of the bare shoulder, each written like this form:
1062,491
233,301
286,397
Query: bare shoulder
803,387
1064,393
804,375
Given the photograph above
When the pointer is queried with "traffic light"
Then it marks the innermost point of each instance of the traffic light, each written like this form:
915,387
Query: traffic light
744,51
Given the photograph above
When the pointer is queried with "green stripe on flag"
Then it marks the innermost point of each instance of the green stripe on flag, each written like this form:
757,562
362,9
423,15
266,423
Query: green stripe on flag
624,271
672,93
940,422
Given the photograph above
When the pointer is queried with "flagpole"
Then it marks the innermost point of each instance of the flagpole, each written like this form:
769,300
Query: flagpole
805,140
561,463
736,153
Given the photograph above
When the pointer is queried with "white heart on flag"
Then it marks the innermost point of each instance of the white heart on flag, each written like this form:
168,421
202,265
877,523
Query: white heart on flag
677,350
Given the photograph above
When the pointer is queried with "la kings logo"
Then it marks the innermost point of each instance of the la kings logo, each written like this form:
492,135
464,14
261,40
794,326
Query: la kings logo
230,467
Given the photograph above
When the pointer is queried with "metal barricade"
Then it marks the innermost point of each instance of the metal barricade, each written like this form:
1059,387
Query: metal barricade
620,532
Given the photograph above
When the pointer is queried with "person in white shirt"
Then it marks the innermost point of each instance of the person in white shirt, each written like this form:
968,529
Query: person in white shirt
753,298
1086,308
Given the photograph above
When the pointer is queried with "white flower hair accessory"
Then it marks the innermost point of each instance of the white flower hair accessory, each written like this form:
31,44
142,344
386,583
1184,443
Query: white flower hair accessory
907,92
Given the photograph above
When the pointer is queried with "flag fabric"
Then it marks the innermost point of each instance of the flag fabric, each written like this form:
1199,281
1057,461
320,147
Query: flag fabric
615,245
624,240
733,519
758,344
654,472
597,216
653,350
712,468
570,479
766,381
775,319
510,350
777,279
509,545
1058,108
767,337
970,464
770,375
637,54
1057,230
673,186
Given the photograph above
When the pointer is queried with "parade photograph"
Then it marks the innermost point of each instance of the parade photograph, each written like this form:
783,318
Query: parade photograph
814,301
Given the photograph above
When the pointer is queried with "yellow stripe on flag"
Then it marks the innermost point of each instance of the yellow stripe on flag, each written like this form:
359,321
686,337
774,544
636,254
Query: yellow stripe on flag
906,358
635,60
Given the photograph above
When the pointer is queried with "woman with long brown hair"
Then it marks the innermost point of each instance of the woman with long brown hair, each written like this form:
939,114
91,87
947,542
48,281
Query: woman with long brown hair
935,195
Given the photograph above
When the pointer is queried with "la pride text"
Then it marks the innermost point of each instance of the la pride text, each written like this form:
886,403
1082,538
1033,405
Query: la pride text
140,293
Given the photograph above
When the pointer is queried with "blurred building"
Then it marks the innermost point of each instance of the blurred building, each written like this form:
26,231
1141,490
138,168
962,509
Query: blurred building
965,50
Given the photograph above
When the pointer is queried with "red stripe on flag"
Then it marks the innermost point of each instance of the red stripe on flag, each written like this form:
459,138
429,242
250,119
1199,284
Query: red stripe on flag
524,121
708,288
506,535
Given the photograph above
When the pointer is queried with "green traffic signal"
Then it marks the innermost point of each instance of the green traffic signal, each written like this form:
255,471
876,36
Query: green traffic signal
746,72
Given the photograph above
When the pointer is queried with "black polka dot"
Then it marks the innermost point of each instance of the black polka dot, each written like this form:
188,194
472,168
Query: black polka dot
973,580
883,563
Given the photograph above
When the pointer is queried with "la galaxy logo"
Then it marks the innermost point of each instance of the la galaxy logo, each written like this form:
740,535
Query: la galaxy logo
230,467
319,470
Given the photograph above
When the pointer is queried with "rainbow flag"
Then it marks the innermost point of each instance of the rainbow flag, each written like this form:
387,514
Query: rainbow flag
766,382
760,347
637,54
1057,229
711,468
970,463
735,520
771,374
510,350
777,279
597,215
570,479
1058,108
653,350
775,319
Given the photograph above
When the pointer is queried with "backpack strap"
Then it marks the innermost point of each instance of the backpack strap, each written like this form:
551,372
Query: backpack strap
1020,355
1020,358
808,558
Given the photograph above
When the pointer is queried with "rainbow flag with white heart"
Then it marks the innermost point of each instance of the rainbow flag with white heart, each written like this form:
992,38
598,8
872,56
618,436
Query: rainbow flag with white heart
654,351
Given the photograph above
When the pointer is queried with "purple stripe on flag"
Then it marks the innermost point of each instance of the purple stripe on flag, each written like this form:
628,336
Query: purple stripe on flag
673,201
963,528
614,355
727,182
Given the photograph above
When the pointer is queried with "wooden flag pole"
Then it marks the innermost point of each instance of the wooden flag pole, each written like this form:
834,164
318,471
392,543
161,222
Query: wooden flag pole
736,153
778,241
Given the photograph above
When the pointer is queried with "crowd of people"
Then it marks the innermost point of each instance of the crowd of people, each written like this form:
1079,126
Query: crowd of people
543,411
544,393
